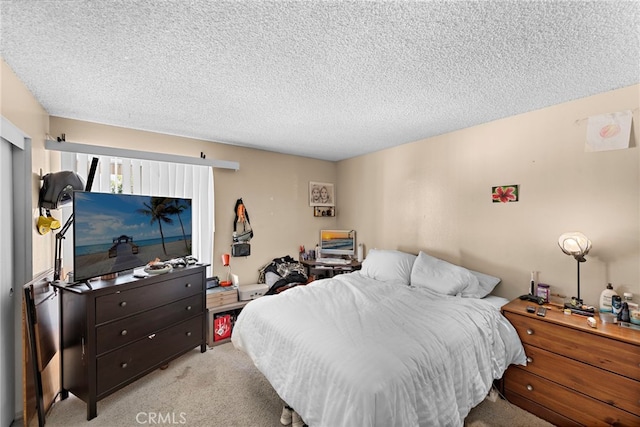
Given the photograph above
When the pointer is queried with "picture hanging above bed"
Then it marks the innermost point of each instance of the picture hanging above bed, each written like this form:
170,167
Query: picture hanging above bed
321,194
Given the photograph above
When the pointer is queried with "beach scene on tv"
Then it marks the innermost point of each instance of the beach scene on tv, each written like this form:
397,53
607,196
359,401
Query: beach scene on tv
117,232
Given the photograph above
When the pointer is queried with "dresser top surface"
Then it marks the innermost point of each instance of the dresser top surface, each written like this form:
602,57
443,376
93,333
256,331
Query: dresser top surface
98,285
556,315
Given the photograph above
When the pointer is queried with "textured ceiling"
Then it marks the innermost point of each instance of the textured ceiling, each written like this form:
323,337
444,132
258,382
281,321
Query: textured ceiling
328,80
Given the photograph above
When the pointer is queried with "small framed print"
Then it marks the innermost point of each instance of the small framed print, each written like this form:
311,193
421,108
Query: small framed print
324,211
321,194
505,194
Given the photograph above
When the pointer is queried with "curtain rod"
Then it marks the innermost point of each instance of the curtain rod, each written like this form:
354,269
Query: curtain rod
73,147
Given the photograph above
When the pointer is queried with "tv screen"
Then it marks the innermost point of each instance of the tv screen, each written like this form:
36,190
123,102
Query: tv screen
118,232
337,242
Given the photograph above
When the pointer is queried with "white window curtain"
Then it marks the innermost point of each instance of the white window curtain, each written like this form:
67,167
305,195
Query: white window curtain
154,178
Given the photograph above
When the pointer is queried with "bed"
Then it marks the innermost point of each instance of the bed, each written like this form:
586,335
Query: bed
406,341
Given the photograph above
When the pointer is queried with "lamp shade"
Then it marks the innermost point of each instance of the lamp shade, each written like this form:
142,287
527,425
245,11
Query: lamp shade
57,189
225,259
575,244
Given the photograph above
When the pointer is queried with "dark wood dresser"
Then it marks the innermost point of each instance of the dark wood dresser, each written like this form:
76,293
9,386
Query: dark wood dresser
575,374
119,330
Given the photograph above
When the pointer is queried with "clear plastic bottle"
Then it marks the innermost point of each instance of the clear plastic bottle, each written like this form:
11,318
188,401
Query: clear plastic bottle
605,299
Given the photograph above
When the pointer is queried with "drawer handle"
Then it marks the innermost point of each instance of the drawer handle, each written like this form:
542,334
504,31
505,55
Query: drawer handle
188,307
123,304
188,285
188,334
529,360
529,331
529,387
123,332
152,336
123,365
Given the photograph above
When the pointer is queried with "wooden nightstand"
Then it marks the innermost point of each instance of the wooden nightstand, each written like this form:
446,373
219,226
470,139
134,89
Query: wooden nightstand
575,374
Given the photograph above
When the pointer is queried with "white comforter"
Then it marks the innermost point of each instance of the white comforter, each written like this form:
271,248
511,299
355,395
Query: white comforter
352,351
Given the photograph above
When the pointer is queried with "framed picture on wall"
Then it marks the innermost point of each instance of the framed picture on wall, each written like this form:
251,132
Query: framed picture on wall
321,194
505,193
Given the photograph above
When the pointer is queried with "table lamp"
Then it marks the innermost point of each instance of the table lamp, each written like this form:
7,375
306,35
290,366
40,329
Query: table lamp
226,258
577,245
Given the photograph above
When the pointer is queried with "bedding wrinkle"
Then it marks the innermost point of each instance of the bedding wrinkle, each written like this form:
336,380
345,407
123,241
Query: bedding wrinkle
354,351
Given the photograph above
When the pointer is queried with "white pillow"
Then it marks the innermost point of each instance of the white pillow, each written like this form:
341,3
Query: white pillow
487,283
388,266
444,278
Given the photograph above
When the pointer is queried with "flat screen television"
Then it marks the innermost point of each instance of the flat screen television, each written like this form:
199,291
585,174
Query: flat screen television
119,232
337,242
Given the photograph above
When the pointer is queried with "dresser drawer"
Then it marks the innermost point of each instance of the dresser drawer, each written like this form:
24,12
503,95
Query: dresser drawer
613,389
125,303
545,413
564,401
217,299
127,363
121,332
606,353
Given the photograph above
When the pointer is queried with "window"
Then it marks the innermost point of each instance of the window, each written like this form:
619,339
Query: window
148,177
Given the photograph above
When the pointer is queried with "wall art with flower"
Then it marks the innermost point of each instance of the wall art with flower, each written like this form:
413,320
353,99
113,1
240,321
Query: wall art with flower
505,193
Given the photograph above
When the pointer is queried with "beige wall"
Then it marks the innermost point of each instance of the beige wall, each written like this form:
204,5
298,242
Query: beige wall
274,188
434,195
18,105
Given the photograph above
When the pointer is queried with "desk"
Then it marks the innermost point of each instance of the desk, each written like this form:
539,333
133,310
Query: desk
322,270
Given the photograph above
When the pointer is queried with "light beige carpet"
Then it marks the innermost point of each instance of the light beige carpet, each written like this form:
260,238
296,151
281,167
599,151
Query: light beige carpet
221,388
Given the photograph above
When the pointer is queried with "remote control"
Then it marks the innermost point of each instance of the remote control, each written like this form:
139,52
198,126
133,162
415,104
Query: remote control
531,309
542,311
